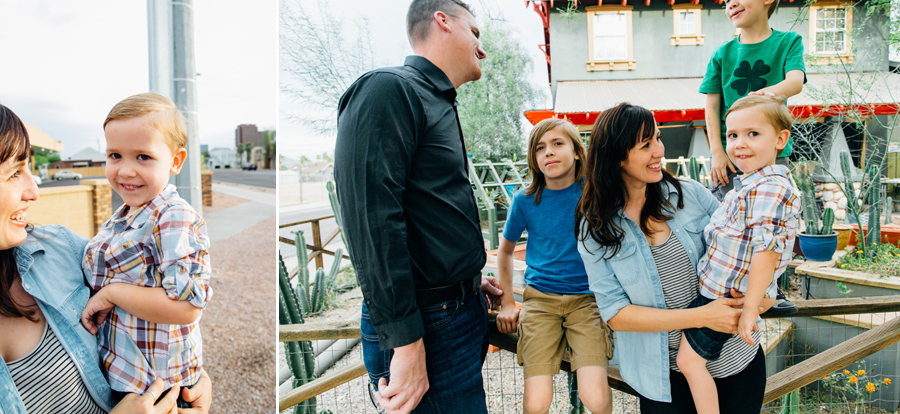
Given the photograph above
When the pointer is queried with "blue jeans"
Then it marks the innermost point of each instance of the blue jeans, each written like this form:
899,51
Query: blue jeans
455,347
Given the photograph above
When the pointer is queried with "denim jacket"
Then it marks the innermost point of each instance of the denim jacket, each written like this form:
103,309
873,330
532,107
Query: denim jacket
49,263
631,278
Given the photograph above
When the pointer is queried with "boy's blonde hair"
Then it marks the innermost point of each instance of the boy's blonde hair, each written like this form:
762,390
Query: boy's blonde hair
163,115
538,182
774,109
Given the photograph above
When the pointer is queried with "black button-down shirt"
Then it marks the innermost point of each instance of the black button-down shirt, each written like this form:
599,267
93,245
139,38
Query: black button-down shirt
409,213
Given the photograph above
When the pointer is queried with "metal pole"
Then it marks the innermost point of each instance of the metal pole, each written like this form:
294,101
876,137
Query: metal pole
172,73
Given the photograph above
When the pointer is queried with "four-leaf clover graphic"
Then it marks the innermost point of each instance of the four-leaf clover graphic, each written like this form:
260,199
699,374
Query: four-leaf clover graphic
750,79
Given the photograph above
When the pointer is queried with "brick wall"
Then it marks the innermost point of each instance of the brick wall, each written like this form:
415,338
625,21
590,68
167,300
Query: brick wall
206,187
101,197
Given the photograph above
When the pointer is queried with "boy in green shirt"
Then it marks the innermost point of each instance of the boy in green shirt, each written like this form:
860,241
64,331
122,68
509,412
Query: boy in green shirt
761,61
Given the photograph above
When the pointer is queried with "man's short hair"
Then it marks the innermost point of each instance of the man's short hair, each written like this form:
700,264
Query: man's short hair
162,113
418,18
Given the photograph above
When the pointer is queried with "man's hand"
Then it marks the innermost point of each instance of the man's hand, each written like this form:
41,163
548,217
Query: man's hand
508,318
199,396
490,287
100,305
719,166
747,325
409,380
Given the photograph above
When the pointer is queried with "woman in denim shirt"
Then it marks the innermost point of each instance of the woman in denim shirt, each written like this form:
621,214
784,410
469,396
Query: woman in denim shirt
48,362
641,235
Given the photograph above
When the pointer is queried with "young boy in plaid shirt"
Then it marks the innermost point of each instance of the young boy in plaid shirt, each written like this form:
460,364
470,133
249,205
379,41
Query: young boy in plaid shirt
749,238
148,263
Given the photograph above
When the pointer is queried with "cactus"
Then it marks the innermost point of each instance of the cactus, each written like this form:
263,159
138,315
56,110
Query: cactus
874,227
827,222
299,354
810,211
694,169
888,211
336,208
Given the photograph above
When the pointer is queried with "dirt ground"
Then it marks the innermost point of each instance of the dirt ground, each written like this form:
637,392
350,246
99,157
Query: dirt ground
238,325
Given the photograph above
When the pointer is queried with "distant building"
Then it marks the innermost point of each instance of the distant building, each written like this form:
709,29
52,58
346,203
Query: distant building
204,148
87,157
247,133
223,158
320,171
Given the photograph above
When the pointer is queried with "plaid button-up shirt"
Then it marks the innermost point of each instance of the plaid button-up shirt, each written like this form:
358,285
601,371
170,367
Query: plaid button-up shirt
160,244
761,213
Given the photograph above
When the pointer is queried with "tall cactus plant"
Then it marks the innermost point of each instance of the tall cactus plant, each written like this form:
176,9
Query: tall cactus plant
299,355
810,212
694,169
874,226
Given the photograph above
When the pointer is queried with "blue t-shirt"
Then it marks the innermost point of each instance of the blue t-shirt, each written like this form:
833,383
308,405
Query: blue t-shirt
554,264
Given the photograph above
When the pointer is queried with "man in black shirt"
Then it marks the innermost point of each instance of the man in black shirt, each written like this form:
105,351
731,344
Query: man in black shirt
411,221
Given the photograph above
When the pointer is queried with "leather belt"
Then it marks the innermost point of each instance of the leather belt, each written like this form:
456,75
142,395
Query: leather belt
435,295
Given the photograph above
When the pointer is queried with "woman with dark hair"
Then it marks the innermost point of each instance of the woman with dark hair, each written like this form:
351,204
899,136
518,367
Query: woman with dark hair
641,236
48,362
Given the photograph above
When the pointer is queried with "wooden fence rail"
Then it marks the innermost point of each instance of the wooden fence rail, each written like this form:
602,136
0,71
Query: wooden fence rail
778,385
318,246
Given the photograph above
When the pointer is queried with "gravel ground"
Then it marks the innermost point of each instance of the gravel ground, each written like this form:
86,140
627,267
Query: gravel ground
238,325
502,376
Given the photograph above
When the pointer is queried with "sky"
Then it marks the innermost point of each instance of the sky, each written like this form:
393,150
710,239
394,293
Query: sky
388,29
65,64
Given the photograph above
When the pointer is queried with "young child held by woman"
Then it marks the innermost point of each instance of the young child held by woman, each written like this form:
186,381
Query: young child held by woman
749,238
558,309
148,263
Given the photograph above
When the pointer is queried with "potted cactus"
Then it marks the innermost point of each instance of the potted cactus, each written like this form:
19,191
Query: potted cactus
818,241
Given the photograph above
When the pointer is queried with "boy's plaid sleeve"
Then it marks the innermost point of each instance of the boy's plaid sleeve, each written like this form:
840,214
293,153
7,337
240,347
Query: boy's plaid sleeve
183,255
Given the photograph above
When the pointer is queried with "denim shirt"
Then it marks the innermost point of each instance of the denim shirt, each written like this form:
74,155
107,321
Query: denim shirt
631,278
49,264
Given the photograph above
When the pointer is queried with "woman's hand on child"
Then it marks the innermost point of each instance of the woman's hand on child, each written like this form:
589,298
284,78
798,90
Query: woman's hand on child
722,315
199,396
99,305
747,325
508,318
133,403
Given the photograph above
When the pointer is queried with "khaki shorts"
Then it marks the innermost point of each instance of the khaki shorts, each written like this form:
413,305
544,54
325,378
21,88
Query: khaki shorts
550,321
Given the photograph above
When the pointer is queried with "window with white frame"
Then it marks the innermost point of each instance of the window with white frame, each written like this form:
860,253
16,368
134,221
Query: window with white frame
687,25
609,38
830,24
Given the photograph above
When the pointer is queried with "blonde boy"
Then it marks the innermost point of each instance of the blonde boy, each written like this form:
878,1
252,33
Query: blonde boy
750,237
149,262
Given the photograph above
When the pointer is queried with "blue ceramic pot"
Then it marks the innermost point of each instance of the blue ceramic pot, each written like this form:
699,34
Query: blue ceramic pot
819,248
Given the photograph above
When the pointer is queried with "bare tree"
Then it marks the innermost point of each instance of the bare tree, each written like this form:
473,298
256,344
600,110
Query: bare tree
322,57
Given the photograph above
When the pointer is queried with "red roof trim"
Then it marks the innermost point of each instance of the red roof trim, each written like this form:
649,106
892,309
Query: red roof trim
809,111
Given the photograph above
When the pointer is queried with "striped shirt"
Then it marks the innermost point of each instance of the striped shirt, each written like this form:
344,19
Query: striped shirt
680,287
160,244
761,213
48,381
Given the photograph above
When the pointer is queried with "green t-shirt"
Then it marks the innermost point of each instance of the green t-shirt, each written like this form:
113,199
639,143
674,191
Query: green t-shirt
737,69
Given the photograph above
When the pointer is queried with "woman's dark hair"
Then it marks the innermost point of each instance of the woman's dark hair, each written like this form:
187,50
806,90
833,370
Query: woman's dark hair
13,144
615,132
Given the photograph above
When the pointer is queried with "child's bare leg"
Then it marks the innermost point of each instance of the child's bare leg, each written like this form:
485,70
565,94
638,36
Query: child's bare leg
703,387
593,389
538,394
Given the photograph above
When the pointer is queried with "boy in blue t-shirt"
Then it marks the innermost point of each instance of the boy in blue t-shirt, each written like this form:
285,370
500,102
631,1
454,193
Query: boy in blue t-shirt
558,309
761,61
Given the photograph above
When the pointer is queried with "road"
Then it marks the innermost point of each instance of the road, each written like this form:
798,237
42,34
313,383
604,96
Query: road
258,178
